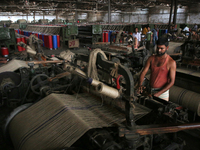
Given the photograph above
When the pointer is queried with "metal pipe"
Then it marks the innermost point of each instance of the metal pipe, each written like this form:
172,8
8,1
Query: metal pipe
34,16
46,62
27,17
109,12
170,16
175,12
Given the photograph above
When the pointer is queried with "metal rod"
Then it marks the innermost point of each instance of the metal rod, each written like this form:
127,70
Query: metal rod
168,129
158,129
170,16
46,62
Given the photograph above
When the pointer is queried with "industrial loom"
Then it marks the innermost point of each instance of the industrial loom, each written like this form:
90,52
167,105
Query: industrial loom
97,110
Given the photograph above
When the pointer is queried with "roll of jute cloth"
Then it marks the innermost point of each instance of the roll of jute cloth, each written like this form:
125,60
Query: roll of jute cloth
59,120
107,91
185,98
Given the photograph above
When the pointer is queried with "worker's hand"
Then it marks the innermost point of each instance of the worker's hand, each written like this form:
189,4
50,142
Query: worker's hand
141,89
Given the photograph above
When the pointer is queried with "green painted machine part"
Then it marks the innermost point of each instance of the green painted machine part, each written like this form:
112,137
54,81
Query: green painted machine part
68,33
8,38
97,29
89,34
22,26
96,33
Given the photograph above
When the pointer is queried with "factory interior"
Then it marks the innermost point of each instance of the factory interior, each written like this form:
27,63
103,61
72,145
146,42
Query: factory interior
81,75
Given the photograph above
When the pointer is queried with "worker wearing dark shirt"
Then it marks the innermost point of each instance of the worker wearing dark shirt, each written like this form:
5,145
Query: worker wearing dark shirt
155,36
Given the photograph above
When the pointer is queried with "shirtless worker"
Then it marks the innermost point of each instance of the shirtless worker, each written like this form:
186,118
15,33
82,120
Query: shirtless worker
163,71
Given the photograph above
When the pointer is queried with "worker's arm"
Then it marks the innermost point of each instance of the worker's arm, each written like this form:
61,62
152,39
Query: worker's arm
172,75
144,72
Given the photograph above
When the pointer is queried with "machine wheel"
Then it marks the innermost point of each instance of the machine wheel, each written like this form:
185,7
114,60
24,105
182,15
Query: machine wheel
8,83
39,81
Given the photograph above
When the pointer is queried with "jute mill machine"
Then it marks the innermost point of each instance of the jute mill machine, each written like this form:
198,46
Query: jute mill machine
97,110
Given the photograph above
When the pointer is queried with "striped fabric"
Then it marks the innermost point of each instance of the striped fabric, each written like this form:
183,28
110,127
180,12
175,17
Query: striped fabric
164,96
59,120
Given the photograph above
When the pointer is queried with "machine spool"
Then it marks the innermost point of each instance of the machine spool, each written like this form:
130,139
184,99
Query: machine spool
4,51
107,91
46,41
40,37
109,33
80,72
55,44
58,40
27,33
50,42
93,82
43,39
36,34
31,51
185,98
103,39
19,47
106,37
24,41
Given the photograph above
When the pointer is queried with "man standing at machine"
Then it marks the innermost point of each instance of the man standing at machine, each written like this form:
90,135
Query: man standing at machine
163,71
149,37
155,35
137,38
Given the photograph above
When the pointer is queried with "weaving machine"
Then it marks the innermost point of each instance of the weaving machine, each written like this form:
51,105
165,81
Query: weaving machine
97,110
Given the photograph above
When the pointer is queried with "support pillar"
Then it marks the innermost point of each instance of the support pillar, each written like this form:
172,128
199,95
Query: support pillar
109,12
34,16
170,16
175,12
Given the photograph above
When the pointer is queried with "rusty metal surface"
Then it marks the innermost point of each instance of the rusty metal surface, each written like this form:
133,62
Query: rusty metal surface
158,129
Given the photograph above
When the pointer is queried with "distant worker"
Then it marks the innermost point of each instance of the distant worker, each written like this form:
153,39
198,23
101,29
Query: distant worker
137,38
149,37
155,35
144,30
194,36
195,28
186,29
163,71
